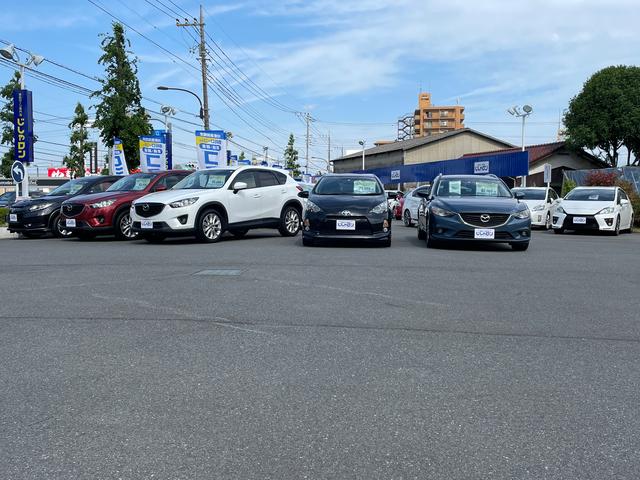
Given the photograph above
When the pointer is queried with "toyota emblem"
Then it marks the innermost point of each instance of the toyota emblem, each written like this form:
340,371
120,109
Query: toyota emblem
485,218
145,207
345,213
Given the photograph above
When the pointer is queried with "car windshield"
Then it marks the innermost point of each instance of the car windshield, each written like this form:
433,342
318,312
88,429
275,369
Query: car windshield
472,187
132,183
204,179
348,186
531,194
591,195
70,188
8,196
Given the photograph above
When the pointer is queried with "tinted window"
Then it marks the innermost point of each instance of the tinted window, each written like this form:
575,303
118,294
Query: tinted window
281,177
348,186
530,193
247,177
591,195
172,180
100,186
132,183
623,195
472,187
70,188
266,179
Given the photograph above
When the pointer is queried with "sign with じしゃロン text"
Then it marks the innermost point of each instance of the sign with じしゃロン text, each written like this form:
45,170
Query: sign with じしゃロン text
23,126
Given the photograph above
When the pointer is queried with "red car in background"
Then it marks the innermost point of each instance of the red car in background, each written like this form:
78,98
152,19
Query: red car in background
107,213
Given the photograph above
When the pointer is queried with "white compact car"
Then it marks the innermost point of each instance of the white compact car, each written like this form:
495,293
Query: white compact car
209,202
542,203
411,203
606,209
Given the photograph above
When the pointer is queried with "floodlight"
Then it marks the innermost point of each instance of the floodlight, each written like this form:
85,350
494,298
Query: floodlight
527,108
8,52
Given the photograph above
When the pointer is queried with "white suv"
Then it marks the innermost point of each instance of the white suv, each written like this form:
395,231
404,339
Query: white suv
209,202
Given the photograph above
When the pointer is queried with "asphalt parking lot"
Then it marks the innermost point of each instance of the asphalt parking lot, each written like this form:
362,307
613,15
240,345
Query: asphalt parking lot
261,359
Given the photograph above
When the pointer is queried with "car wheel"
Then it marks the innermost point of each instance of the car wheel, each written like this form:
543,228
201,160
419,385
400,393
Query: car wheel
520,247
239,232
124,226
431,243
547,222
86,235
420,233
407,218
153,237
616,232
289,222
58,229
558,230
308,242
210,226
630,230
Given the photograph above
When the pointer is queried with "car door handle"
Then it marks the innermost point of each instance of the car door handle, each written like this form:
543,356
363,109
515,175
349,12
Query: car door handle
256,195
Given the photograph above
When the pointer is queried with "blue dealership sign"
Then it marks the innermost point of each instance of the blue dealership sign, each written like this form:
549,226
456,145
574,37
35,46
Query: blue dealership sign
23,126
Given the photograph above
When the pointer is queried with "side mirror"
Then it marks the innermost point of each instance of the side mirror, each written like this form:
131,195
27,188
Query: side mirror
239,186
422,194
519,195
161,188
303,194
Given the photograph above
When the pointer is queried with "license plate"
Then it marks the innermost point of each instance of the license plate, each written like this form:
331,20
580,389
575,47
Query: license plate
13,217
345,224
71,222
148,224
581,220
484,233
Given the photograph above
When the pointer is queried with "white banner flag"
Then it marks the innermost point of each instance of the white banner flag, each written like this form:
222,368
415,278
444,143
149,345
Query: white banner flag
212,148
118,162
153,154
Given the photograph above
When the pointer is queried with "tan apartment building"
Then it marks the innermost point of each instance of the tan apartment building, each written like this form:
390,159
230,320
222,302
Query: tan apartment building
431,119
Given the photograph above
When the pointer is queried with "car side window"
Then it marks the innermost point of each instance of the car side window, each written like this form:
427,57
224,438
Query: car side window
266,179
623,195
169,181
281,177
247,177
100,186
619,197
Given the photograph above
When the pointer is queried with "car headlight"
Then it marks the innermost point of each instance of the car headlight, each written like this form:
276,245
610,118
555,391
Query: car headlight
185,202
522,213
441,212
537,208
606,210
560,210
39,206
380,208
312,207
103,204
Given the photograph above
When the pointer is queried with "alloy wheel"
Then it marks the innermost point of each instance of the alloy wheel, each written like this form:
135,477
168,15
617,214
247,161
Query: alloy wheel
407,218
292,221
62,230
211,226
126,227
547,223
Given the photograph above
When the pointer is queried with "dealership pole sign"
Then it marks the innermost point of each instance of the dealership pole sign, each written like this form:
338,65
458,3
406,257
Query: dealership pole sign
118,162
153,153
212,148
23,126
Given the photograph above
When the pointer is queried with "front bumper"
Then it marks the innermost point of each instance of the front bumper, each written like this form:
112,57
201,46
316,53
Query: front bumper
98,220
604,223
173,221
515,230
30,222
162,228
538,218
367,227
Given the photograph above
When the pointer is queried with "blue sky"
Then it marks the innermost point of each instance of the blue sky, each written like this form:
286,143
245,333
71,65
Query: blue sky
355,65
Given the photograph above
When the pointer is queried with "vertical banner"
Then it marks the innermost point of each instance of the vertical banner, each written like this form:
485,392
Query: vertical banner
153,153
23,126
212,147
118,162
233,160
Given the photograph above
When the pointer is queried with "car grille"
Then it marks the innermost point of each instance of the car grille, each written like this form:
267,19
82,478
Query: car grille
328,226
494,220
470,234
592,223
149,209
72,209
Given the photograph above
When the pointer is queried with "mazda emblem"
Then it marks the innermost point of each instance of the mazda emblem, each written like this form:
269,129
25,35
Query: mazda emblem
485,218
145,207
345,213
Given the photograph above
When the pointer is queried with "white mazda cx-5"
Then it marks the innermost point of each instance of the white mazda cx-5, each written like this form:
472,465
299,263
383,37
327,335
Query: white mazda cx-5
209,202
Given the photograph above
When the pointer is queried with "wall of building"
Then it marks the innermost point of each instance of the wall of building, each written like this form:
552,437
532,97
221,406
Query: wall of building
371,161
569,160
432,119
453,147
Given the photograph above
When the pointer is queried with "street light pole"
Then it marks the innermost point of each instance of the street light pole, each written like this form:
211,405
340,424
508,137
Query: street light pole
524,113
203,117
363,143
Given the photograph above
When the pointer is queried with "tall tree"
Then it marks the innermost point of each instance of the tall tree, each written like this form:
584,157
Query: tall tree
120,112
79,144
6,123
291,157
605,115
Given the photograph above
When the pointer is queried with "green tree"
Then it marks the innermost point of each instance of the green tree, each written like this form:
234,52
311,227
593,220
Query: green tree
6,123
605,115
120,112
242,155
291,157
79,145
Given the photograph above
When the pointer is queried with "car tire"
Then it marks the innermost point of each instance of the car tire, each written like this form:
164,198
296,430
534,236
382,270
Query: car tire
308,242
408,222
289,222
558,230
431,243
57,229
630,229
616,232
421,235
86,235
547,222
520,247
123,226
239,232
210,226
153,237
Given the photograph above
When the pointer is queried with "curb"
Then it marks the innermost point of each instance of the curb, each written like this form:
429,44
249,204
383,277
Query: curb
4,233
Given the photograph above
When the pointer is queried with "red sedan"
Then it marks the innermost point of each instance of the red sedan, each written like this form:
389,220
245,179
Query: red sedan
107,213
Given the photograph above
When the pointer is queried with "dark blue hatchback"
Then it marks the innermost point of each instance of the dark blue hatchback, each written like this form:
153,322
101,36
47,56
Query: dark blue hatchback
473,208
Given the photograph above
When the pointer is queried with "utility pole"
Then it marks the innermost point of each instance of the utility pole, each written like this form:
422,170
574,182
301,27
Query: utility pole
307,118
203,61
266,154
329,152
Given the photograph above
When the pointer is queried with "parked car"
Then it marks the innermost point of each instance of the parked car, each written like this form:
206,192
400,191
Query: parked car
209,202
36,217
9,198
605,209
398,206
107,213
473,208
542,203
411,203
347,206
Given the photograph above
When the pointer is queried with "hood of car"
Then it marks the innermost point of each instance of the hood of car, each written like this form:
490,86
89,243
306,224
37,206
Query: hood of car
478,204
584,207
533,203
354,204
99,197
169,196
39,201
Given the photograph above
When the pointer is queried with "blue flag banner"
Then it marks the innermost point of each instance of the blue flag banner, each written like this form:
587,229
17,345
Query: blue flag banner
23,126
118,162
153,154
212,148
